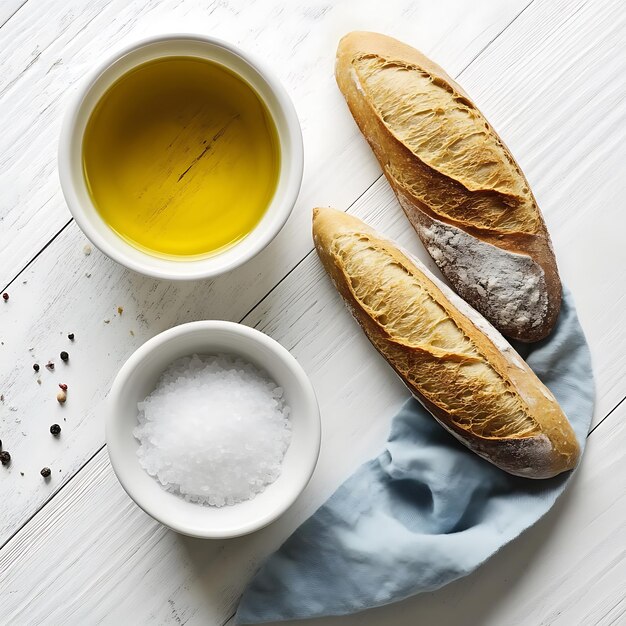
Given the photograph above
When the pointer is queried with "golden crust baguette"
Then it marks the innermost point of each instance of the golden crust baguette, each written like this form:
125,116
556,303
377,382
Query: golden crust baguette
457,182
449,356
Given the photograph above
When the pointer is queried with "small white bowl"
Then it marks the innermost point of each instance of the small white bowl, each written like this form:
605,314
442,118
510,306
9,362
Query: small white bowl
138,377
252,72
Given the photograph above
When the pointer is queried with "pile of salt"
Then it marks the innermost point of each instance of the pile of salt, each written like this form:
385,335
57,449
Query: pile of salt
214,430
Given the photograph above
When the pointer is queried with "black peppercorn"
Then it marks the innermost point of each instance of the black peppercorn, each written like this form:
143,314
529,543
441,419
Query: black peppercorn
36,366
64,356
5,457
50,365
55,429
71,336
5,296
45,472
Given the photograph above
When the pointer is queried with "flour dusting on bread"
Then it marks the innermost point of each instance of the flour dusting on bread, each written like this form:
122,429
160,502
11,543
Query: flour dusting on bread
477,319
509,288
445,161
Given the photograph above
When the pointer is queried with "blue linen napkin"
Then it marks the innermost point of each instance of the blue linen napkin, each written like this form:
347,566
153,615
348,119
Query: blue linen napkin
426,512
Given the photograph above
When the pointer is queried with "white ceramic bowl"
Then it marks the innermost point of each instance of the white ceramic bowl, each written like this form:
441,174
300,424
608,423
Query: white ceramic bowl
137,378
251,71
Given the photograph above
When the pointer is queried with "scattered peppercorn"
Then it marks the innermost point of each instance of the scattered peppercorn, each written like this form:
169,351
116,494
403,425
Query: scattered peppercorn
36,366
63,386
61,397
55,429
5,457
71,336
5,296
45,472
64,356
50,365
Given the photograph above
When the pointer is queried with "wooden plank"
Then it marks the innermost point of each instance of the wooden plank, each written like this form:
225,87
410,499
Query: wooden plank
111,547
58,298
8,8
53,45
82,305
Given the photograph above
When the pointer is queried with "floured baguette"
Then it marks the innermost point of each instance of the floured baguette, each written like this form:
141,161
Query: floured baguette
450,357
457,182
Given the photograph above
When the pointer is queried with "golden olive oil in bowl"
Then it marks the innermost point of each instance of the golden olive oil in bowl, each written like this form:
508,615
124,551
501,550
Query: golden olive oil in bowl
181,157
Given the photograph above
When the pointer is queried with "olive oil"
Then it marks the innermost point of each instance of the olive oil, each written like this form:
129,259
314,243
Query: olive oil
181,157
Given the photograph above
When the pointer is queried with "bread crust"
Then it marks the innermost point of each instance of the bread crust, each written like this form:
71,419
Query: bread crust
469,225
468,377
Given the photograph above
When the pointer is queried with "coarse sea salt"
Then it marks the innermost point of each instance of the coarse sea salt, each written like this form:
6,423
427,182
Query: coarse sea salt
214,430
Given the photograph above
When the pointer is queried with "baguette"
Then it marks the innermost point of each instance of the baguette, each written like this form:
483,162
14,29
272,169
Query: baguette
452,360
457,182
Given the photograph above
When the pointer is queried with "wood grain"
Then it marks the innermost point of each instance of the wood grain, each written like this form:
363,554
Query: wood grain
552,84
8,8
58,297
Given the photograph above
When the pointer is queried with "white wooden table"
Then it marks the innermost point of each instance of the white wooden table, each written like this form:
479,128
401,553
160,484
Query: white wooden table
549,74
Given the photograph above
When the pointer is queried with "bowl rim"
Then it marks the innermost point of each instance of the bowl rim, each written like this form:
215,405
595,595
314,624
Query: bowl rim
172,269
113,417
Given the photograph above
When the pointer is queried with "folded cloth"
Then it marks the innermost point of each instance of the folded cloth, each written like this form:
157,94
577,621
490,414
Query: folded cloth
426,512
